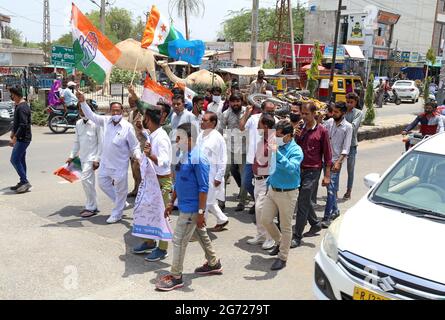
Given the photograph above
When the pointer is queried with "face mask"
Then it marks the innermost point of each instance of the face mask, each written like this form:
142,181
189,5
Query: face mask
295,117
217,99
116,118
280,141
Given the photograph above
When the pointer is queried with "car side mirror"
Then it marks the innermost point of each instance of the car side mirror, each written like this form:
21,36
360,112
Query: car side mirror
371,179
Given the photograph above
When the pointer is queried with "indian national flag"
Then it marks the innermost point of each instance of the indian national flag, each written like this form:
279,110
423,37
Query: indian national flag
94,53
189,94
153,92
158,33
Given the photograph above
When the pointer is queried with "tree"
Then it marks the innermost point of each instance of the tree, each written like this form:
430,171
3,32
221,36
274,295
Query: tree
14,35
313,71
138,29
430,59
369,102
118,23
65,40
237,27
185,8
124,76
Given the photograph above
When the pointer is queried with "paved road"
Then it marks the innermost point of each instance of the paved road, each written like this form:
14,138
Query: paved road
48,252
391,110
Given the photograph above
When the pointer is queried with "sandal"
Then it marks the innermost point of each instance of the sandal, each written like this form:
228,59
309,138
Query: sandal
88,213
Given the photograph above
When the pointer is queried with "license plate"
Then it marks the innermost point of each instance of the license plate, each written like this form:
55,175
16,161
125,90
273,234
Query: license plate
363,294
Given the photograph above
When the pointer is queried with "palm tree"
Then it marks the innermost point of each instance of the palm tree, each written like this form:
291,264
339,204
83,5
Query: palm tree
184,8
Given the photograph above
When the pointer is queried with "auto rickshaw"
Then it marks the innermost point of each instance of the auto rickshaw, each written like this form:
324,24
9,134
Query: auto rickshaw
342,85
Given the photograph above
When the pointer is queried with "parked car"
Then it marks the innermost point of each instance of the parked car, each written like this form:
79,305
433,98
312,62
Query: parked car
390,244
407,90
6,116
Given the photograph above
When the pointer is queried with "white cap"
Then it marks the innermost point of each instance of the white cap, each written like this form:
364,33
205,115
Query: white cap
71,84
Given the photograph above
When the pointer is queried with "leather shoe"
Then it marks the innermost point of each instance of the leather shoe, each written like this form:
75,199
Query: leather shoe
295,243
275,250
278,264
313,231
252,210
219,227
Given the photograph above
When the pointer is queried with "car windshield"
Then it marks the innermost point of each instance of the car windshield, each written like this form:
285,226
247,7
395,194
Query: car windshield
403,84
416,182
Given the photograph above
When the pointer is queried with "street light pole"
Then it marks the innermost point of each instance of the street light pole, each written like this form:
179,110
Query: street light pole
291,27
102,16
334,54
254,36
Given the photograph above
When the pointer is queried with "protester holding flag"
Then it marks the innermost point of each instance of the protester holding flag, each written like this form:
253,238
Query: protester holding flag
119,144
88,147
192,176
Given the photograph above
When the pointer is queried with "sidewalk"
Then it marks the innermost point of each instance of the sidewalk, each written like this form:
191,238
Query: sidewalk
385,127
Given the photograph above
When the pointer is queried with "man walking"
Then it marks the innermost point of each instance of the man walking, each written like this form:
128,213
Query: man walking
258,85
261,172
314,141
191,187
282,194
354,117
120,143
88,147
213,145
20,138
340,135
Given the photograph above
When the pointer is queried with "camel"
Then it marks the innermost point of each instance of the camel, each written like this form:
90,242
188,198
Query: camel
131,52
201,77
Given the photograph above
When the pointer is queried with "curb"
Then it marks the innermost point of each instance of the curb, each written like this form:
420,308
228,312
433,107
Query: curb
377,132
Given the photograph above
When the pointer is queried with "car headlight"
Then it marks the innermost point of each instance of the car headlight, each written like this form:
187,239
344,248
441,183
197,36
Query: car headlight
4,114
330,241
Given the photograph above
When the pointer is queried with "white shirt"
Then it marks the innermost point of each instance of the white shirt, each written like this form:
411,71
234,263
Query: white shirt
252,136
216,107
88,142
161,147
176,120
120,142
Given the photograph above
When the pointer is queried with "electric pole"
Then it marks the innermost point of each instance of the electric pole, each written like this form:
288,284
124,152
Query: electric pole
334,54
46,30
291,27
254,36
103,3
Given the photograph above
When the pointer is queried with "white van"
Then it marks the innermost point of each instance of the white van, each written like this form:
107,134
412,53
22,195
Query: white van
390,245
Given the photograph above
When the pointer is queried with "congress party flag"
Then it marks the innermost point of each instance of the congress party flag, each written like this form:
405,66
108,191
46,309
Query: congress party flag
153,92
94,53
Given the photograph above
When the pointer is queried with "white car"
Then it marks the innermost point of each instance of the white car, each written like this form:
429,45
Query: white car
390,245
407,90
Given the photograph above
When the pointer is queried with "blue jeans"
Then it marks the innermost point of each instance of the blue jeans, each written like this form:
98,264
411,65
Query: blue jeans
18,159
351,166
331,202
248,179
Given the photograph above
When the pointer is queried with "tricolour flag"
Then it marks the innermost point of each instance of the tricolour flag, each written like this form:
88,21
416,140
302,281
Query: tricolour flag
94,53
153,92
189,94
158,33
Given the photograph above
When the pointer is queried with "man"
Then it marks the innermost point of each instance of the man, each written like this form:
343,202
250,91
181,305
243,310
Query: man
88,147
20,138
430,121
69,98
340,134
314,141
191,187
229,125
198,103
119,144
217,104
213,145
261,172
258,85
230,91
354,117
158,149
249,122
207,98
180,115
282,194
295,114
380,94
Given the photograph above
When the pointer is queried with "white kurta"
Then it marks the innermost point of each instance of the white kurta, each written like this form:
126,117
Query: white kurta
213,145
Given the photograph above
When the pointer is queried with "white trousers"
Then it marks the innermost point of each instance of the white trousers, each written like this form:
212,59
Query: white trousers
260,189
117,192
216,211
88,178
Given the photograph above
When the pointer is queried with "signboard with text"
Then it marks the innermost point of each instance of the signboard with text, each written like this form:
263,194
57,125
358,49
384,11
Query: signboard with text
329,51
356,35
303,52
381,54
62,56
405,56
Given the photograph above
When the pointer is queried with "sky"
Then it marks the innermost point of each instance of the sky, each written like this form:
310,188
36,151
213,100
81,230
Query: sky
27,15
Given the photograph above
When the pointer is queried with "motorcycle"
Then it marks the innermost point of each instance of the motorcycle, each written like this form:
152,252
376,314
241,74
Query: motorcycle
391,96
411,139
59,120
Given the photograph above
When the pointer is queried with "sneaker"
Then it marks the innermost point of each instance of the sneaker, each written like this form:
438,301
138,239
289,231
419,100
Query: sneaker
268,244
169,282
23,188
252,210
112,219
295,243
335,215
18,185
144,247
257,240
207,269
325,223
313,231
275,250
156,255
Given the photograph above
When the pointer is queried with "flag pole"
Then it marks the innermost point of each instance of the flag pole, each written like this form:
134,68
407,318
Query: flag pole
134,72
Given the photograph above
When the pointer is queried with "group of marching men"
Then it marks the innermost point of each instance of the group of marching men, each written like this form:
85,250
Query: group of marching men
278,162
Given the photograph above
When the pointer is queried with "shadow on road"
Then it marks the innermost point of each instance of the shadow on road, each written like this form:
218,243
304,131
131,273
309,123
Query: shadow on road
4,143
259,263
243,245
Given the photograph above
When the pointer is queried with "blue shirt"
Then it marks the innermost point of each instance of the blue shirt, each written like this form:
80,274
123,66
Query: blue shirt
191,179
69,97
286,166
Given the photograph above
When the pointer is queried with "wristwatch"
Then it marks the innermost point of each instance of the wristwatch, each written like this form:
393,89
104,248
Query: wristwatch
201,211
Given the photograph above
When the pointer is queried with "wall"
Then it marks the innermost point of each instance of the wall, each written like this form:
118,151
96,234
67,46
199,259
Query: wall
414,30
241,53
22,56
316,24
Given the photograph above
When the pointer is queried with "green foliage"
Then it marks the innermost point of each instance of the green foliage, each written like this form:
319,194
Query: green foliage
14,35
313,71
369,102
238,26
118,23
194,7
138,29
39,115
269,65
124,76
65,40
431,56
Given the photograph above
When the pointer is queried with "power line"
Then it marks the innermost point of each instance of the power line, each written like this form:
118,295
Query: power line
26,18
